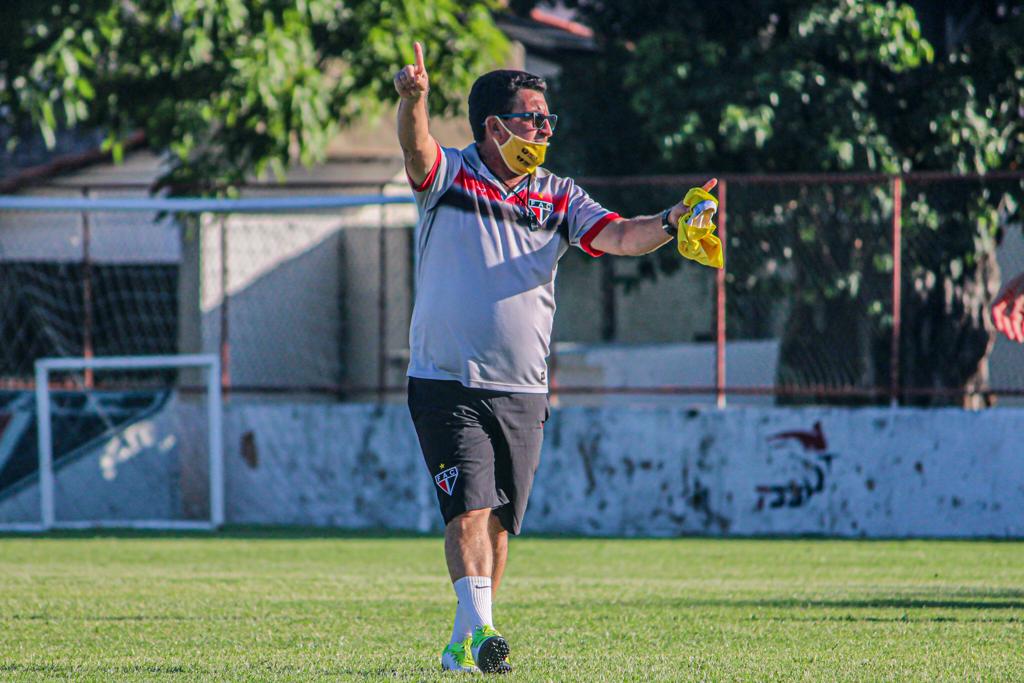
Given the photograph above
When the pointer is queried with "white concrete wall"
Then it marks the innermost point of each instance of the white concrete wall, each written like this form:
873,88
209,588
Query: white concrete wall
653,471
303,294
749,363
115,238
630,471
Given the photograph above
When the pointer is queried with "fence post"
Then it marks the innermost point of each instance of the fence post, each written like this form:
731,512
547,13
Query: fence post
897,287
87,299
225,340
720,302
382,302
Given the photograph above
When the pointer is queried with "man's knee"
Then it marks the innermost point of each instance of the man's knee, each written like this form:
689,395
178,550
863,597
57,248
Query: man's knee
495,525
471,519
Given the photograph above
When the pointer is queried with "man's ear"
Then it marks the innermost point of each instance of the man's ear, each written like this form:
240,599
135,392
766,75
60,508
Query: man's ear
493,124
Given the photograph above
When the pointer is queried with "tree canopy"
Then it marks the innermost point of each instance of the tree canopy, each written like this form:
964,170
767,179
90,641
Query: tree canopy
801,85
821,86
229,88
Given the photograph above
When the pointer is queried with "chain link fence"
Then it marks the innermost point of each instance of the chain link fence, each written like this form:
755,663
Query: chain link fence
838,289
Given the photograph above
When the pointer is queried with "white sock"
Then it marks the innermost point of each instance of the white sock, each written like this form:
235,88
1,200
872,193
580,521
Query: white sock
474,609
461,629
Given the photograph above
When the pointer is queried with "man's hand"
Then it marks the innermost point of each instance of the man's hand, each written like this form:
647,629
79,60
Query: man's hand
412,82
643,234
680,209
419,147
1008,310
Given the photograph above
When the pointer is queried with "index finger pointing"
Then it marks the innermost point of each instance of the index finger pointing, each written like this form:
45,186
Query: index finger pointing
710,185
420,66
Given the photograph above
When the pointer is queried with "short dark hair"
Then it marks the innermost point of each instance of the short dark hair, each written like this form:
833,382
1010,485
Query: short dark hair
493,94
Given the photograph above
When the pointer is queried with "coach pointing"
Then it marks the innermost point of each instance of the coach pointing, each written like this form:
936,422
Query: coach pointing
493,224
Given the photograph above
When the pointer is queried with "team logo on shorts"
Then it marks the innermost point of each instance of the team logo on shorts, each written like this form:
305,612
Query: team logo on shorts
446,480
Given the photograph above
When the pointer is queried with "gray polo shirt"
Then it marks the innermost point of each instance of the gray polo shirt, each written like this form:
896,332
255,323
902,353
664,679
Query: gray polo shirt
485,276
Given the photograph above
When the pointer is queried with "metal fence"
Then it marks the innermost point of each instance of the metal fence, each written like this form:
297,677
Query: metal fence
842,289
875,287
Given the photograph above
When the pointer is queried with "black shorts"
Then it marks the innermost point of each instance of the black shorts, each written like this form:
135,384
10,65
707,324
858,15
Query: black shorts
481,447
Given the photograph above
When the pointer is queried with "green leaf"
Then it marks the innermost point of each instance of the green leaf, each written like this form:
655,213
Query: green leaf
85,88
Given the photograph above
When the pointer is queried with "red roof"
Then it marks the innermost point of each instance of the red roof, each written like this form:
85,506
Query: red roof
567,25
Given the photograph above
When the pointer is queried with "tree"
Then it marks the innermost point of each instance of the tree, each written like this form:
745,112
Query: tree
229,87
810,85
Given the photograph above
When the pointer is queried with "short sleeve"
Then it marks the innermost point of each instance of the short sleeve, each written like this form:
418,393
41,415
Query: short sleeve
438,180
586,219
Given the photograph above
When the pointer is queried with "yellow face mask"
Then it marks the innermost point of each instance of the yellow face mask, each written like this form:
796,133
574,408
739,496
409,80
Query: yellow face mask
521,155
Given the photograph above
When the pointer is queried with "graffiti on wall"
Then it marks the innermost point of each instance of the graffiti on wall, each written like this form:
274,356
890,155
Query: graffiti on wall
807,451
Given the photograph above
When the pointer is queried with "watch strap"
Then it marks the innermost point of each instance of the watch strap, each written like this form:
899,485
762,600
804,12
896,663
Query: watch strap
666,225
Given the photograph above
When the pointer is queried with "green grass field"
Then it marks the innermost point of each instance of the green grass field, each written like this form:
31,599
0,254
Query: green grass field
293,605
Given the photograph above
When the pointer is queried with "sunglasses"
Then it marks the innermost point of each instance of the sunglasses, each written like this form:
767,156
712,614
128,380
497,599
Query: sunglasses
535,117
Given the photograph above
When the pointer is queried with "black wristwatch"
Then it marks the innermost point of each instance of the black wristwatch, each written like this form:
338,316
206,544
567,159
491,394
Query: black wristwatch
670,229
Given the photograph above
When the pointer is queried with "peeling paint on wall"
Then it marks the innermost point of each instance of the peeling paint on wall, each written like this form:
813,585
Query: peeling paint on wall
657,471
650,471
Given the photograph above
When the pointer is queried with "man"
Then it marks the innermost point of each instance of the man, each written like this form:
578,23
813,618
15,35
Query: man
492,227
1008,310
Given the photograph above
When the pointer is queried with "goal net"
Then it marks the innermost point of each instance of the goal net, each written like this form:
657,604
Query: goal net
124,302
142,454
249,279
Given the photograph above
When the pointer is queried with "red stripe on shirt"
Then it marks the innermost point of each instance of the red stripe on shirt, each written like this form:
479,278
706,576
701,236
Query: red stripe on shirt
594,231
429,180
561,203
473,185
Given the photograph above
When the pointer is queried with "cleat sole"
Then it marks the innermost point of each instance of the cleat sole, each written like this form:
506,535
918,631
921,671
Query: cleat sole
492,655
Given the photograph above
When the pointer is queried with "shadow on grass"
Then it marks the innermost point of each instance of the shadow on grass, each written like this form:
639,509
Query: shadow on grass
885,603
77,670
80,670
142,618
1000,600
901,618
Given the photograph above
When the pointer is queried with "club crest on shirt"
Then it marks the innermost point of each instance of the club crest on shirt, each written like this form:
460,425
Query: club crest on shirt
446,480
541,209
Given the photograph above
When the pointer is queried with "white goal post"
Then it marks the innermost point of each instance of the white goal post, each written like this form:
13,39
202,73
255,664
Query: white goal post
215,443
121,284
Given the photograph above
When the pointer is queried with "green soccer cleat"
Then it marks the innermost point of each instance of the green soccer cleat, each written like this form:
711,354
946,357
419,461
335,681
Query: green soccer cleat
459,657
490,650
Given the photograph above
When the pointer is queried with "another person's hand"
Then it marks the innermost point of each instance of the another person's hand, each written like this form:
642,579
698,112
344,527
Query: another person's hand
1008,310
411,81
680,209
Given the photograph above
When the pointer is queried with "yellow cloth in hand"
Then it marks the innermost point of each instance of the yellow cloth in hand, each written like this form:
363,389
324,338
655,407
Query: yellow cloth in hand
695,237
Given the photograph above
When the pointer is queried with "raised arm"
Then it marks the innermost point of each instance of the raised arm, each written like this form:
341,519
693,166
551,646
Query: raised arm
418,146
640,235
